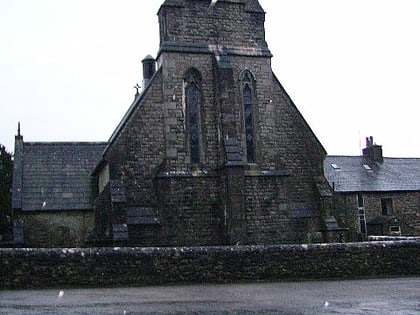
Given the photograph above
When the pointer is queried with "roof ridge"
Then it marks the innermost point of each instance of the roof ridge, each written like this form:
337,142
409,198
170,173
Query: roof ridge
65,142
361,156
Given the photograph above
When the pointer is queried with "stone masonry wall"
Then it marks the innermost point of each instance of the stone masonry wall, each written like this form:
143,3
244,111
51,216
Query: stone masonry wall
138,151
102,267
189,211
174,68
204,210
346,212
195,23
283,139
269,212
406,207
298,148
55,229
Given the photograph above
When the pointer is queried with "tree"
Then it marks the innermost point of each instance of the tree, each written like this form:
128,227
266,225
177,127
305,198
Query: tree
6,168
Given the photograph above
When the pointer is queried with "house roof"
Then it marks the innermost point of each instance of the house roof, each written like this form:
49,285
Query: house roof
356,173
56,175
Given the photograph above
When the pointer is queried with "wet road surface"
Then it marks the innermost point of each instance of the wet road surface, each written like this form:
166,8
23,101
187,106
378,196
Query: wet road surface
379,296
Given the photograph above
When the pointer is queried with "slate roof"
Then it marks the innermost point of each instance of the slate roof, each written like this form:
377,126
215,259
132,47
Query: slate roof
56,175
356,173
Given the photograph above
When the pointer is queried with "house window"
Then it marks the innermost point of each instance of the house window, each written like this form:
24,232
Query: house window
248,105
386,204
360,202
395,230
193,102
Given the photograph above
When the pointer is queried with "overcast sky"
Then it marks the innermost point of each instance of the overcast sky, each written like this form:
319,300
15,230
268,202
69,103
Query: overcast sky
352,67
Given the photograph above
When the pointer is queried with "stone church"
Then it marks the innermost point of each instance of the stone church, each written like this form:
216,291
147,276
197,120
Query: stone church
212,151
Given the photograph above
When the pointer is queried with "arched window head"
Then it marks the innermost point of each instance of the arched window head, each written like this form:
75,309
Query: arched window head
247,86
192,84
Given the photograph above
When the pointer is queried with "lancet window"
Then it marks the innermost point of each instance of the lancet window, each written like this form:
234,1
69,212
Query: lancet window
193,104
247,84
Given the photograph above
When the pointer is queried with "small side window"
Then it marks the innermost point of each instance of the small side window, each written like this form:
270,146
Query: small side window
395,230
360,201
387,208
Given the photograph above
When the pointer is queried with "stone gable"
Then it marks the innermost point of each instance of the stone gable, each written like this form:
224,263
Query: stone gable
214,146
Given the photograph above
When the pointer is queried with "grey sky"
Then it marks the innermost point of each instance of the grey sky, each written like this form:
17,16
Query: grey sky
352,67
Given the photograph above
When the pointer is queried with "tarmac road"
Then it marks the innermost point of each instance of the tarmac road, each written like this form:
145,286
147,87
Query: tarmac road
379,296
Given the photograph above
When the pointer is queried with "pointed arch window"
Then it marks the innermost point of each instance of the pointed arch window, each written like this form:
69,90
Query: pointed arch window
193,103
247,99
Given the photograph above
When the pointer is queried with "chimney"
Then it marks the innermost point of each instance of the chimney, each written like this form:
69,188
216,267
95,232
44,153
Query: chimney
17,179
149,69
373,152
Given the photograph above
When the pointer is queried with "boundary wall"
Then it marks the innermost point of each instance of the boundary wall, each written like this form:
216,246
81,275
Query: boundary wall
124,266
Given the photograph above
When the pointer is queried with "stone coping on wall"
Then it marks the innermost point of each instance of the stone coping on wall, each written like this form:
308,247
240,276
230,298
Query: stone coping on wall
186,174
133,266
378,238
204,173
197,48
267,173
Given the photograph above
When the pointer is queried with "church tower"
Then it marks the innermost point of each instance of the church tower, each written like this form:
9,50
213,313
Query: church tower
210,54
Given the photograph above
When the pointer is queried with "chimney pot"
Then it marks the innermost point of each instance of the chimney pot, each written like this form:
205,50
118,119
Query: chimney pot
373,152
149,69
